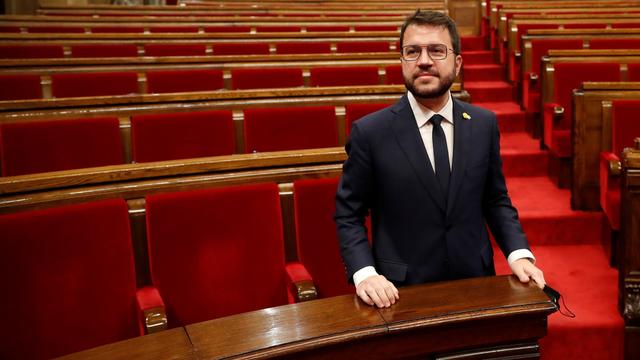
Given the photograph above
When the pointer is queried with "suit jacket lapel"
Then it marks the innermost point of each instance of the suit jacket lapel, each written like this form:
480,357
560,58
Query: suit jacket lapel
461,140
407,134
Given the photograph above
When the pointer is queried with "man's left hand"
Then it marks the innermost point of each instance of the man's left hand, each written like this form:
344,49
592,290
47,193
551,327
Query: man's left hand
525,271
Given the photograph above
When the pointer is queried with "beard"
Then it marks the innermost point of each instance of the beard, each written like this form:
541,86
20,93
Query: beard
443,86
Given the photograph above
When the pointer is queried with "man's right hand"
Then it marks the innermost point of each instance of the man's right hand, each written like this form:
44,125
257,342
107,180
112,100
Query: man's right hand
377,290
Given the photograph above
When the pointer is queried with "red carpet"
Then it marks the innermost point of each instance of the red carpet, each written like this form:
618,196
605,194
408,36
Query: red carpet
566,242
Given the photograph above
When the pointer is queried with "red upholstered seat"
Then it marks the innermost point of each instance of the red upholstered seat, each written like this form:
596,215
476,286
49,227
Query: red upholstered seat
158,137
9,29
612,43
626,25
375,28
303,47
394,75
327,28
56,29
68,280
41,146
566,77
116,29
344,76
276,129
31,51
362,46
241,48
356,111
104,50
266,78
625,127
265,28
173,29
167,81
225,29
175,50
539,48
633,71
20,86
217,252
94,84
514,65
316,237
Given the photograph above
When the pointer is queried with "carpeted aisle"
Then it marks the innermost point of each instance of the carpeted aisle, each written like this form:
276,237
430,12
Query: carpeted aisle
565,242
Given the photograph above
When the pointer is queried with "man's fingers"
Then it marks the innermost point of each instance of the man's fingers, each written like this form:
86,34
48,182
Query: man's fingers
377,290
384,299
373,294
363,295
537,276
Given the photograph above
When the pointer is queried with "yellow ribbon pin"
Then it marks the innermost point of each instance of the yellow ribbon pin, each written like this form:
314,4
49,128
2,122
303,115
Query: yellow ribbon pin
466,116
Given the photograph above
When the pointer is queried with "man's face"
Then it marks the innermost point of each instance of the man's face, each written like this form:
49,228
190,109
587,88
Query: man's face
426,78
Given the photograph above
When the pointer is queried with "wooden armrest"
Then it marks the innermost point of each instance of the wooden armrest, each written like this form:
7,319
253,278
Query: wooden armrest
153,310
301,284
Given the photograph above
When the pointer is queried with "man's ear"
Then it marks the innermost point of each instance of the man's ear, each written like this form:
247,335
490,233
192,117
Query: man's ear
458,64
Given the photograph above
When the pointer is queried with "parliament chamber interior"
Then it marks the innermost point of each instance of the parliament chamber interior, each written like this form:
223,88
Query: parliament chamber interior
168,174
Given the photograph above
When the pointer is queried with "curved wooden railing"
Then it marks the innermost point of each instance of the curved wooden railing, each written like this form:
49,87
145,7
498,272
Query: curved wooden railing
461,319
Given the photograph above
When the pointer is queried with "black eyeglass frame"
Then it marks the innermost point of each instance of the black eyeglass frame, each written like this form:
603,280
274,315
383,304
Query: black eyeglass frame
425,47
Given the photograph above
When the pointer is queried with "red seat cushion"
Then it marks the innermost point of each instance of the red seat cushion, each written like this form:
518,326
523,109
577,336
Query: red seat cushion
21,86
354,112
327,28
316,237
276,129
303,47
56,29
626,43
206,261
168,81
266,78
68,280
173,29
175,50
362,46
376,28
31,51
94,84
264,28
158,137
116,29
41,146
242,48
633,70
104,50
394,75
225,29
344,76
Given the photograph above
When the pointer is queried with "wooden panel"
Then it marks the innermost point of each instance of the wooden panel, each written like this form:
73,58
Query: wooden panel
168,344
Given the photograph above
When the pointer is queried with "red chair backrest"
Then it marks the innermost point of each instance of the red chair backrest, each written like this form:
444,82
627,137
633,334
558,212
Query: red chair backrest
316,237
68,280
625,124
569,76
31,51
354,112
362,46
292,128
158,137
303,47
175,50
104,50
633,71
173,29
266,78
541,47
116,29
327,28
216,252
394,75
94,84
241,48
262,29
344,76
229,28
56,29
20,86
168,81
614,43
41,146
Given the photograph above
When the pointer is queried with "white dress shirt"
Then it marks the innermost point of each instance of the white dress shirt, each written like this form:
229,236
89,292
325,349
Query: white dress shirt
422,115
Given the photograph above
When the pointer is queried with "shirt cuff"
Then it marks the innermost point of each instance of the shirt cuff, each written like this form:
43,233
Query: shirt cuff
520,254
363,273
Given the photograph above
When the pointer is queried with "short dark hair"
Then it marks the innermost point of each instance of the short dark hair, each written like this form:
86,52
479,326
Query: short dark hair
436,19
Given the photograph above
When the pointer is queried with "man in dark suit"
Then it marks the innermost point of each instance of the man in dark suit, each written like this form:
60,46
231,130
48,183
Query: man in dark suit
429,171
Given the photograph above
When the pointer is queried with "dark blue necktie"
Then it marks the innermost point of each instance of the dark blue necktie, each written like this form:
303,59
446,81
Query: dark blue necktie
440,153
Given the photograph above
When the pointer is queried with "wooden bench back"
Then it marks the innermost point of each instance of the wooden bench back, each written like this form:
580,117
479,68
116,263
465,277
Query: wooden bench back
591,135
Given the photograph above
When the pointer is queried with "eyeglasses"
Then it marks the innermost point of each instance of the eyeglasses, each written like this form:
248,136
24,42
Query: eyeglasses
434,51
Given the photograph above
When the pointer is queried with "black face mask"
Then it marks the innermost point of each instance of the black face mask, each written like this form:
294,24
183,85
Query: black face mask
556,299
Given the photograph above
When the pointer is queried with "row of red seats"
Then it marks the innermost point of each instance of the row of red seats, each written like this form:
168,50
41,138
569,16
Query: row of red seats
70,278
96,29
41,51
51,145
83,84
